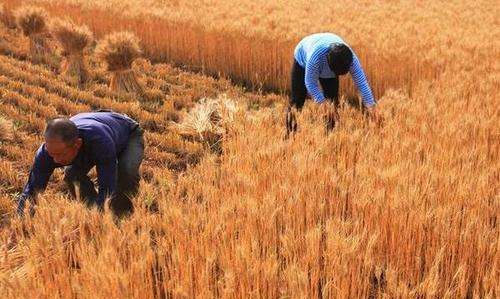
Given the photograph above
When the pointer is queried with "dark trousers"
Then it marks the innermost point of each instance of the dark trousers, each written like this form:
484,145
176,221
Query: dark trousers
128,177
330,87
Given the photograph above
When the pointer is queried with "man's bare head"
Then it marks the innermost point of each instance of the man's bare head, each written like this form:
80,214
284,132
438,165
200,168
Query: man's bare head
62,141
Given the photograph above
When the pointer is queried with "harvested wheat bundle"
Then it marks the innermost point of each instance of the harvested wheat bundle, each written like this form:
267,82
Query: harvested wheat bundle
6,130
33,22
119,50
7,18
208,121
73,40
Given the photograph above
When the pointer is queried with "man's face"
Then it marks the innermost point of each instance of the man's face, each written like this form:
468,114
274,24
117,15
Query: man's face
63,153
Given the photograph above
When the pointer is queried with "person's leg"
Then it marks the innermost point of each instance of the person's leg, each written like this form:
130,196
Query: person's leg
290,121
298,87
129,162
298,93
76,178
330,89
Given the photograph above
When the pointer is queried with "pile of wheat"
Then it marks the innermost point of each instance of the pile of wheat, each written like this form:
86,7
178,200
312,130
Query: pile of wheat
73,39
119,50
209,120
33,22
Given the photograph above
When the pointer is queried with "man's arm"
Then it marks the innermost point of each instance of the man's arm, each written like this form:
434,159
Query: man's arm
312,75
40,173
359,78
103,150
107,179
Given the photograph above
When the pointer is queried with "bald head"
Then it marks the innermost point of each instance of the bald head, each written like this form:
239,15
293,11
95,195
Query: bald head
61,129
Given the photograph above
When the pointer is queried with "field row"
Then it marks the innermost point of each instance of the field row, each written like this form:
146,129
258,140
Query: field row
256,60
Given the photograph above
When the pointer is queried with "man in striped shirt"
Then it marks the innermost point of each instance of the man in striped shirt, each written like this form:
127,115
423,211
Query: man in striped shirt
320,59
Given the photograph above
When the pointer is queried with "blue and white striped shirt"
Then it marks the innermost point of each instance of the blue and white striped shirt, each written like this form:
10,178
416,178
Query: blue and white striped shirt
311,53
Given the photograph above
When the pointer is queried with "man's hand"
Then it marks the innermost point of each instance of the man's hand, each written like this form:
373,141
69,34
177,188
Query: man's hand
374,115
21,201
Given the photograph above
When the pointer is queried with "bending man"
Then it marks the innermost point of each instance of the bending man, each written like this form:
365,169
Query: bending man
319,60
111,142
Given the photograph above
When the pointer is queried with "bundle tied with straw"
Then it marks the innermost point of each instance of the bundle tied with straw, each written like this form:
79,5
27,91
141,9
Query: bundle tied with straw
73,40
119,50
33,22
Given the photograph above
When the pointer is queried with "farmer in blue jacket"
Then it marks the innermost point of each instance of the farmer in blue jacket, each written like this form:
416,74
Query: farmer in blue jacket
319,60
111,142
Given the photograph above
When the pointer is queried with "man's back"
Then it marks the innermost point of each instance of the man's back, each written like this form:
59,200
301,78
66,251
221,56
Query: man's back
308,45
99,140
99,127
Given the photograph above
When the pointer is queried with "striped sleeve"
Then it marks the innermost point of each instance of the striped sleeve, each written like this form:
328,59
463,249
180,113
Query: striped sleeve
359,78
312,75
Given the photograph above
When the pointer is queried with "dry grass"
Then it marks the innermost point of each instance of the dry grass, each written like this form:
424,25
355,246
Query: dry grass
406,208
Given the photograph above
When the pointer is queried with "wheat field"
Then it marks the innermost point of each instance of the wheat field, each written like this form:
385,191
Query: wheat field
405,208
